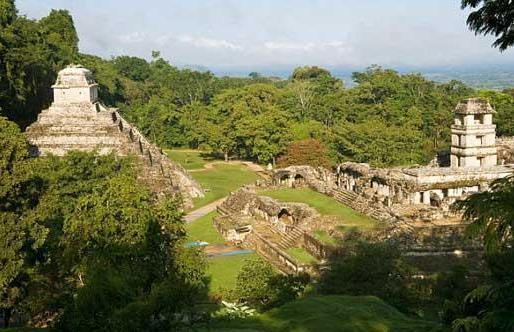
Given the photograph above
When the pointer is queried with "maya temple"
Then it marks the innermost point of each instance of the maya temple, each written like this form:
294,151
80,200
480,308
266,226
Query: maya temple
77,120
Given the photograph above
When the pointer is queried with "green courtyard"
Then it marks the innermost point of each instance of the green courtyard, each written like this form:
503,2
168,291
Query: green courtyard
220,180
216,177
202,229
189,159
222,271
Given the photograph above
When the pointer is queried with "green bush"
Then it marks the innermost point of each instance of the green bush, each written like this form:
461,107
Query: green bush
261,287
372,269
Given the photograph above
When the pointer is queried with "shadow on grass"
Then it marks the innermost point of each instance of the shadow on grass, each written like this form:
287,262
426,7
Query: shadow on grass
330,313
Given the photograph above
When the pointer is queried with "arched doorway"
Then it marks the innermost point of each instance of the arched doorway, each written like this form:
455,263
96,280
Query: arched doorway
285,217
299,181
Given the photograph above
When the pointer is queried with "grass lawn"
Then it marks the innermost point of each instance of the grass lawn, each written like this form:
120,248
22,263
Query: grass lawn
331,313
223,271
325,238
301,255
325,205
203,230
221,180
189,159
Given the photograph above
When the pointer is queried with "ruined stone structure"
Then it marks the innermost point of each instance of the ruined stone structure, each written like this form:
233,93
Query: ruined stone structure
473,168
414,203
266,225
505,148
473,135
77,120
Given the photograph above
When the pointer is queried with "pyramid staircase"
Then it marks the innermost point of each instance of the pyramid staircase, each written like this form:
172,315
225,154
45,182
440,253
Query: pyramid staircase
94,127
290,239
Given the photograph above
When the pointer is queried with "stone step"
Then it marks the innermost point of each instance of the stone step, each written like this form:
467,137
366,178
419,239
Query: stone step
290,239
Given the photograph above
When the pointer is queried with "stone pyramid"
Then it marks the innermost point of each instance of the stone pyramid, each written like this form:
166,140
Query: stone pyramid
77,120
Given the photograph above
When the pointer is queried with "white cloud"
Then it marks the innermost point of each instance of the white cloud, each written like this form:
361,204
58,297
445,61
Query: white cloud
287,46
305,46
134,37
204,42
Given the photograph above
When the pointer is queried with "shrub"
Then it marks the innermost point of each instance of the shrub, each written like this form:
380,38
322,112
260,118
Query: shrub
260,286
371,269
306,152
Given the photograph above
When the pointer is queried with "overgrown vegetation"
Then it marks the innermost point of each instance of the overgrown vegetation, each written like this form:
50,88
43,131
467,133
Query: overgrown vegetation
331,313
490,307
86,246
259,285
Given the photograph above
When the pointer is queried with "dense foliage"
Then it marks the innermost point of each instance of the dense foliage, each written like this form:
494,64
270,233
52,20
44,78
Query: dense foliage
492,17
257,118
490,307
387,119
31,53
260,286
83,239
373,269
310,152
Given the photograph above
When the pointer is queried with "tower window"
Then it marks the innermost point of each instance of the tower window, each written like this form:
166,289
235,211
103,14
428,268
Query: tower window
479,119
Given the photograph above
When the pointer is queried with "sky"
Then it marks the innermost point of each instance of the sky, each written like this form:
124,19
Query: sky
246,34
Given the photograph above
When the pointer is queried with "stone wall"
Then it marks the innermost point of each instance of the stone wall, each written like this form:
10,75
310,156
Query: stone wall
319,249
276,255
317,178
417,193
505,146
266,225
281,215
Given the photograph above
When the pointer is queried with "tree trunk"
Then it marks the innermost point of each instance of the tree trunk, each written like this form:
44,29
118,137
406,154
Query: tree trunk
7,317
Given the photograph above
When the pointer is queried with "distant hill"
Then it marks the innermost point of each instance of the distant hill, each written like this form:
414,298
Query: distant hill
332,313
497,77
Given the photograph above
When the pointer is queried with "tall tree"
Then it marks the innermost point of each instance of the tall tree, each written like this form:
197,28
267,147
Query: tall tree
19,234
59,31
31,53
490,215
492,17
8,12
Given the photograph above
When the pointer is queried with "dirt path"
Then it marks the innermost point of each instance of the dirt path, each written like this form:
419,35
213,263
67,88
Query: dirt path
210,165
204,210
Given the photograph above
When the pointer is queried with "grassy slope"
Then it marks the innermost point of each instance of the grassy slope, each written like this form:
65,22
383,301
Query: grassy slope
203,230
324,205
331,313
301,255
224,270
324,237
221,180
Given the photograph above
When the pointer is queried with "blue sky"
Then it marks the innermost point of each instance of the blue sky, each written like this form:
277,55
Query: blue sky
280,33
